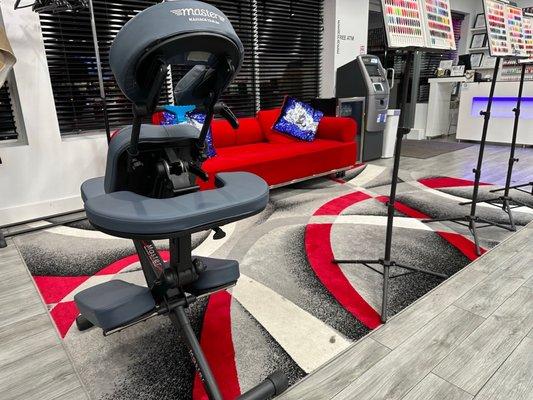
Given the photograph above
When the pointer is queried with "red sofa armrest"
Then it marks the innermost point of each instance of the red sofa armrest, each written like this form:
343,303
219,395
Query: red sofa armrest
340,129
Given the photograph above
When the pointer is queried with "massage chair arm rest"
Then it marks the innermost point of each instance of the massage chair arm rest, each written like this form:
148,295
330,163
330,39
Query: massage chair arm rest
129,215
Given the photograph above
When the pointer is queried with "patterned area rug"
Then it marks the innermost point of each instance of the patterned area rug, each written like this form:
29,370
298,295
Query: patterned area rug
293,308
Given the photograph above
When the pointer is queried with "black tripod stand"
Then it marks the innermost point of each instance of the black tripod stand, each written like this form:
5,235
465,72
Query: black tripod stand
386,262
506,202
471,221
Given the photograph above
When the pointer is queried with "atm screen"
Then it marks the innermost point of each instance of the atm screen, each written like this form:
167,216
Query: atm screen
378,87
373,69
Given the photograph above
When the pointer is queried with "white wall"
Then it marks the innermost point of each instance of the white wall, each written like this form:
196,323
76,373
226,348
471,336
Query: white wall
470,8
345,37
43,176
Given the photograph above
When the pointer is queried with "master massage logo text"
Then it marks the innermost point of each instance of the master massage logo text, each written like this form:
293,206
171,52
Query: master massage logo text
199,14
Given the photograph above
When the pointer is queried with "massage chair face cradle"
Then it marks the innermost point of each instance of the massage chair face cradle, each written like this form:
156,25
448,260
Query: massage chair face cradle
149,191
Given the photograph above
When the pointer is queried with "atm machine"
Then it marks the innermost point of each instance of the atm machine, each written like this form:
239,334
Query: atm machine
365,77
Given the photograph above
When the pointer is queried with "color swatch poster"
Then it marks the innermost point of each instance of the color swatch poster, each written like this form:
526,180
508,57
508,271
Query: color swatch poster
504,28
515,31
439,24
418,23
528,36
403,23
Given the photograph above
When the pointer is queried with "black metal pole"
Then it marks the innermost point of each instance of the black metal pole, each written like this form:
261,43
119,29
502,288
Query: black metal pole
100,73
402,130
517,110
180,320
486,116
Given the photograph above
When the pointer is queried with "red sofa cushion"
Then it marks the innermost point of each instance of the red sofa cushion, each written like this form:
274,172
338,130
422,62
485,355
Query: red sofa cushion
267,119
283,162
337,128
249,131
224,135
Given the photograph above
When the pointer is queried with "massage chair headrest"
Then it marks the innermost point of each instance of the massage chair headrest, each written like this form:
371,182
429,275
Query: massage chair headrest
181,32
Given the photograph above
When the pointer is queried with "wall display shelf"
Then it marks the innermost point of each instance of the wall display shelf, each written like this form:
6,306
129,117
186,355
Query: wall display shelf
512,69
480,55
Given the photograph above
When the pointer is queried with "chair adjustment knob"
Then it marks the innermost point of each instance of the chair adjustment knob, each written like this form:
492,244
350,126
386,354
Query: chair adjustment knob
199,266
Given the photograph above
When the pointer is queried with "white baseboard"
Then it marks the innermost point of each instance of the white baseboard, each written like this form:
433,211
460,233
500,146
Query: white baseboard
26,212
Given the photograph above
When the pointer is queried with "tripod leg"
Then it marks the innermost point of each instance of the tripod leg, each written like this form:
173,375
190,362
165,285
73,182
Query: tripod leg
427,221
2,240
522,204
507,208
507,228
385,302
180,320
424,271
473,230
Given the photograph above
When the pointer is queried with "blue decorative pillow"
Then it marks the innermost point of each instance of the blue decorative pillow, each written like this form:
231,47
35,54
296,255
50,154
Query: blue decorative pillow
298,119
197,119
173,115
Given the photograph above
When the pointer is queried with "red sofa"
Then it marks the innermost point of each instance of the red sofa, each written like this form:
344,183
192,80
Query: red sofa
278,158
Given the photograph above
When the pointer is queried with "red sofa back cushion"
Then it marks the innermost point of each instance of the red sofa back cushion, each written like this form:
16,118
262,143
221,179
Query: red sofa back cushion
224,135
267,119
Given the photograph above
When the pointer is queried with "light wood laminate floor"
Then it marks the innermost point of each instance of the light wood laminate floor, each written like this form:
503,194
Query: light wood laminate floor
470,338
33,362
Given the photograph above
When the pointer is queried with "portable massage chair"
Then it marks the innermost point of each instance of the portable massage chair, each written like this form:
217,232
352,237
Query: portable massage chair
149,192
